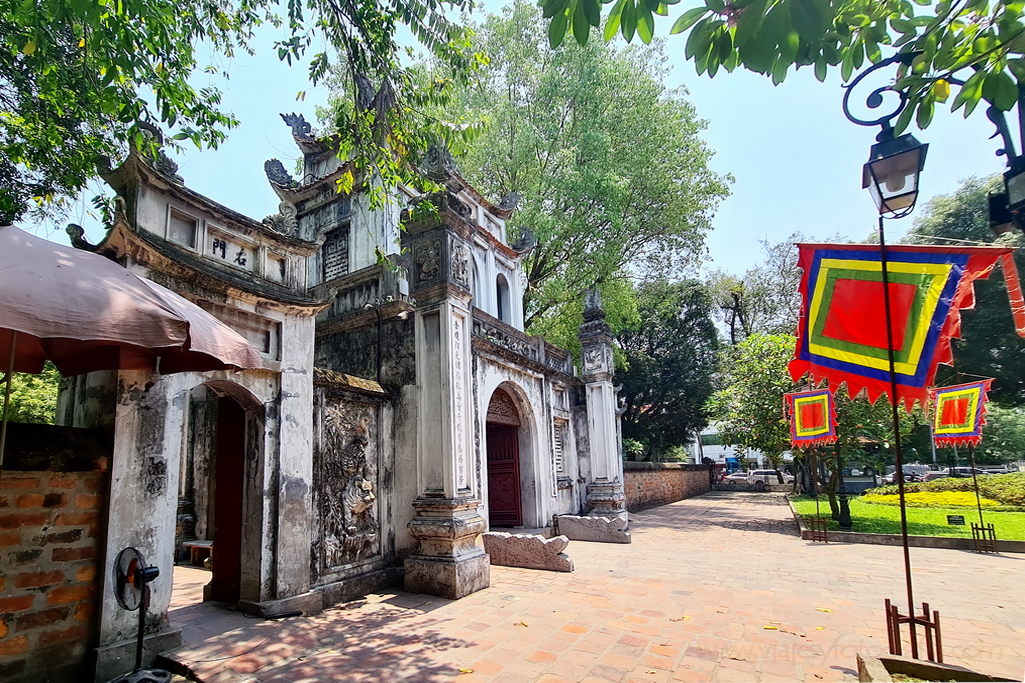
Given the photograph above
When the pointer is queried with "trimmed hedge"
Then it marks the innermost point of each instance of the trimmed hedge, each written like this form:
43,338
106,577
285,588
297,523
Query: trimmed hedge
1007,489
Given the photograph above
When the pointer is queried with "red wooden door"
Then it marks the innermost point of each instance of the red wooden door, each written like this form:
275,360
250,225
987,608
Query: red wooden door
503,476
226,581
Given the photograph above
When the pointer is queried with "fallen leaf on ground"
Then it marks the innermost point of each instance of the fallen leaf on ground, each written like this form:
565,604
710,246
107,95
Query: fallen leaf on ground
771,628
823,609
683,618
819,628
466,671
737,659
520,623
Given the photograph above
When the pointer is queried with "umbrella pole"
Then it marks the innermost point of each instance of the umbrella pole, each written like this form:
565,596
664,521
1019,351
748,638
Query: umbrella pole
7,399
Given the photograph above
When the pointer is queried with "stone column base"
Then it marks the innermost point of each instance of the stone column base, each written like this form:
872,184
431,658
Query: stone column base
448,563
119,658
606,499
445,577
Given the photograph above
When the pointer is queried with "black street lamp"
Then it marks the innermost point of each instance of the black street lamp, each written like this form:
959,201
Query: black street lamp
892,174
1007,208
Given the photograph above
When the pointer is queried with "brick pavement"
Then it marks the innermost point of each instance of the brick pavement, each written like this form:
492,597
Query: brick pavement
689,600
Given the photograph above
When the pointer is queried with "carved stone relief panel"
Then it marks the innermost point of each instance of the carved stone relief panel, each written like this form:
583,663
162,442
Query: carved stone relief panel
427,261
597,359
461,265
347,484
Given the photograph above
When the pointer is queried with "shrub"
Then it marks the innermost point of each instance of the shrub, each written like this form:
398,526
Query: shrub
1006,489
931,499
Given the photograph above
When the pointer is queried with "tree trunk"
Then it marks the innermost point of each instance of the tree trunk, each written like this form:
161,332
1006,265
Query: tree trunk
834,507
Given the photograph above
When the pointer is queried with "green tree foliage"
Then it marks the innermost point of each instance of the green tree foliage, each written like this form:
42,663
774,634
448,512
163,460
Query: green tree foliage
766,298
33,397
607,160
748,410
1003,436
974,45
671,357
988,346
78,76
748,407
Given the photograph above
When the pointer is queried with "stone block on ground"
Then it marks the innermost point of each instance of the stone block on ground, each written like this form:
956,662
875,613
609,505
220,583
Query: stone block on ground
599,529
531,551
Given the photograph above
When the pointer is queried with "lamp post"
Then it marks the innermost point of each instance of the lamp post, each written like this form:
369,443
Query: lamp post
891,175
1007,208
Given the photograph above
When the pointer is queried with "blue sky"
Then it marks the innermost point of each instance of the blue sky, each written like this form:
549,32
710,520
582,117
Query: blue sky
795,157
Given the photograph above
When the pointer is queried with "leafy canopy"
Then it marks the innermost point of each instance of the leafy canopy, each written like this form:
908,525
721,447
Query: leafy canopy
79,79
608,162
748,407
33,397
974,45
671,356
989,346
766,298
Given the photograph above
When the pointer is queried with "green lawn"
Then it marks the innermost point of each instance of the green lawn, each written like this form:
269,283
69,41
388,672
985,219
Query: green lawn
885,519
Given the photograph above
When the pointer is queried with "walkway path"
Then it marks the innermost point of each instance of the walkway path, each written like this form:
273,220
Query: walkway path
716,588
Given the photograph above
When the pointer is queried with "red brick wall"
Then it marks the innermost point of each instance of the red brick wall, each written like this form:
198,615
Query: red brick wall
651,484
50,529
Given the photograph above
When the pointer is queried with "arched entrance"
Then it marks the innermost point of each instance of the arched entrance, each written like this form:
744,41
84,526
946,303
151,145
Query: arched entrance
503,426
226,513
220,456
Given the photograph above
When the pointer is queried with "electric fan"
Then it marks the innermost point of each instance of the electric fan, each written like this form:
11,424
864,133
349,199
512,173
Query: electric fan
131,588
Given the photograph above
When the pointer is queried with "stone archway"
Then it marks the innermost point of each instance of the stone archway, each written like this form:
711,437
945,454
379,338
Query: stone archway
502,429
225,444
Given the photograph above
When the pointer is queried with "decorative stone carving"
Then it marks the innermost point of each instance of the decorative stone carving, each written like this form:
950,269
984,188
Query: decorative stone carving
502,410
509,201
531,551
525,242
301,129
592,300
346,485
600,529
165,165
502,337
427,256
459,206
285,221
438,164
277,174
77,234
461,265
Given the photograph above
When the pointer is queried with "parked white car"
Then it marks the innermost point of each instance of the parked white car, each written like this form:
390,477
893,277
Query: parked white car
768,477
755,477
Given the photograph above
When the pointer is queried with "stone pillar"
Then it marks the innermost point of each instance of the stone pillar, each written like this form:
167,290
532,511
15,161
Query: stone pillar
448,561
605,494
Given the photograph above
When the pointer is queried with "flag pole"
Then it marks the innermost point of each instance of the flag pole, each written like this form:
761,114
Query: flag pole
898,457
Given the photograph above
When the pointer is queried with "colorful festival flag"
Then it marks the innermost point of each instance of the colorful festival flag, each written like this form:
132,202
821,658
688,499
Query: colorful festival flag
842,333
959,414
812,417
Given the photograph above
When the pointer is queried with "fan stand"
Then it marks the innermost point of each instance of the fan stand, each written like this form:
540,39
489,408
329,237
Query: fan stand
130,571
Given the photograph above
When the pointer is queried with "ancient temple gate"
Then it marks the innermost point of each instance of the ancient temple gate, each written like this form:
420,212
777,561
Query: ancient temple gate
313,482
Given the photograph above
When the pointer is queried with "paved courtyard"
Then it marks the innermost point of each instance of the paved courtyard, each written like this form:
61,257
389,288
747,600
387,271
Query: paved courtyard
715,588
